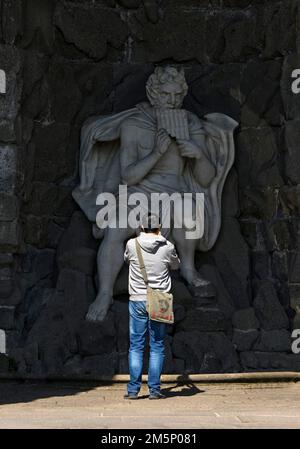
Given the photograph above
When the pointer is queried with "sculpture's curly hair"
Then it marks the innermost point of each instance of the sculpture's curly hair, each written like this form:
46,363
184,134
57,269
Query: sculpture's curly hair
163,75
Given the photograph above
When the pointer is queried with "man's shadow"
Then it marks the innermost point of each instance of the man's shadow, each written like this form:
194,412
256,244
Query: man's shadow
188,388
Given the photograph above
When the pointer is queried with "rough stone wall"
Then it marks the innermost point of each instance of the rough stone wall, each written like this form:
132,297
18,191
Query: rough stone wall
67,60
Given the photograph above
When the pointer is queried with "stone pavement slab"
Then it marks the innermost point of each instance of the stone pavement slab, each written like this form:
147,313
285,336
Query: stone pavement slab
85,405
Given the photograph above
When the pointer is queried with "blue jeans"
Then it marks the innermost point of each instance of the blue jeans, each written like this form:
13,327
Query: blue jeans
139,324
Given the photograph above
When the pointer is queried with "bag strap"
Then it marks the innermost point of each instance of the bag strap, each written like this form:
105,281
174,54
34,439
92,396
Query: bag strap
141,261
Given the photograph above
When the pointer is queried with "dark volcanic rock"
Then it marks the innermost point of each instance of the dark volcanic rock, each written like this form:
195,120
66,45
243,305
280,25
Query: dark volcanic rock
8,207
10,236
7,314
78,235
290,199
130,3
4,363
273,361
245,319
294,267
121,316
65,96
93,340
276,340
100,365
7,282
13,299
231,255
9,168
105,27
81,259
268,309
38,30
198,349
205,319
260,85
292,158
257,162
223,299
60,319
243,340
53,161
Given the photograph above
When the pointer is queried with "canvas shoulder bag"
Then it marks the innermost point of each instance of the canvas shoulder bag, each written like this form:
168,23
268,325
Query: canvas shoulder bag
159,304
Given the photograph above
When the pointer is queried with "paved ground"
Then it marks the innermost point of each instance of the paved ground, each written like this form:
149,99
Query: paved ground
255,405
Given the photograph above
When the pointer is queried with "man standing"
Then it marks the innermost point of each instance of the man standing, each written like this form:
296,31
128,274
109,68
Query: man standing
159,257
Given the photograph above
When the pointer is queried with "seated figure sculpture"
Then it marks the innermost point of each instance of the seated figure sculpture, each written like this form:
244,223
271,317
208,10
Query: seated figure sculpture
154,147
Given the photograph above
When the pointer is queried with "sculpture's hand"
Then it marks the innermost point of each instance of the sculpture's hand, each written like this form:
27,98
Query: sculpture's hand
188,149
163,141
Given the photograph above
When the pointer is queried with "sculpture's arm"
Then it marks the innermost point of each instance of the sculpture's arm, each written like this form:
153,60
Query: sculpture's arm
203,169
134,170
204,172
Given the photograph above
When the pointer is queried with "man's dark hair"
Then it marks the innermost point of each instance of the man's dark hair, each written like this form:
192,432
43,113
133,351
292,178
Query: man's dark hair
150,223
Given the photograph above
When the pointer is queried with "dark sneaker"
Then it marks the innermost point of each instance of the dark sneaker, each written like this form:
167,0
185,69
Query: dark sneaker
131,396
157,395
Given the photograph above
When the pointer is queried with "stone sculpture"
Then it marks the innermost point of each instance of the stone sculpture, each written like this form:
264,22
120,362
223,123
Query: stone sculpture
154,147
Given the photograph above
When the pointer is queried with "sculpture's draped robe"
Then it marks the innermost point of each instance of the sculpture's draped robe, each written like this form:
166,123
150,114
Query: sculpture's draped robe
100,171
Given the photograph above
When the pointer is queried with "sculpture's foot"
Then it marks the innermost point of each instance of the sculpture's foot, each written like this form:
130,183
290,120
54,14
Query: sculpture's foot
193,278
198,285
98,309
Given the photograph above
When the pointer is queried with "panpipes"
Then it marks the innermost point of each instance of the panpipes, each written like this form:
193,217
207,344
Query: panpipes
174,121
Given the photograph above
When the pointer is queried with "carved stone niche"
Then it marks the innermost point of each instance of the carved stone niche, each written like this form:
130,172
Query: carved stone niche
155,147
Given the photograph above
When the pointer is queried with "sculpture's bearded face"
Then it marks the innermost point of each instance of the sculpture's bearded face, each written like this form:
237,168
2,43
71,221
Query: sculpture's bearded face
170,96
166,88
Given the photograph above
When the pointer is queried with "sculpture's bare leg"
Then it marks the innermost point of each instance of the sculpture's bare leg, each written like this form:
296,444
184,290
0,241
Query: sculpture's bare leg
186,249
110,259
